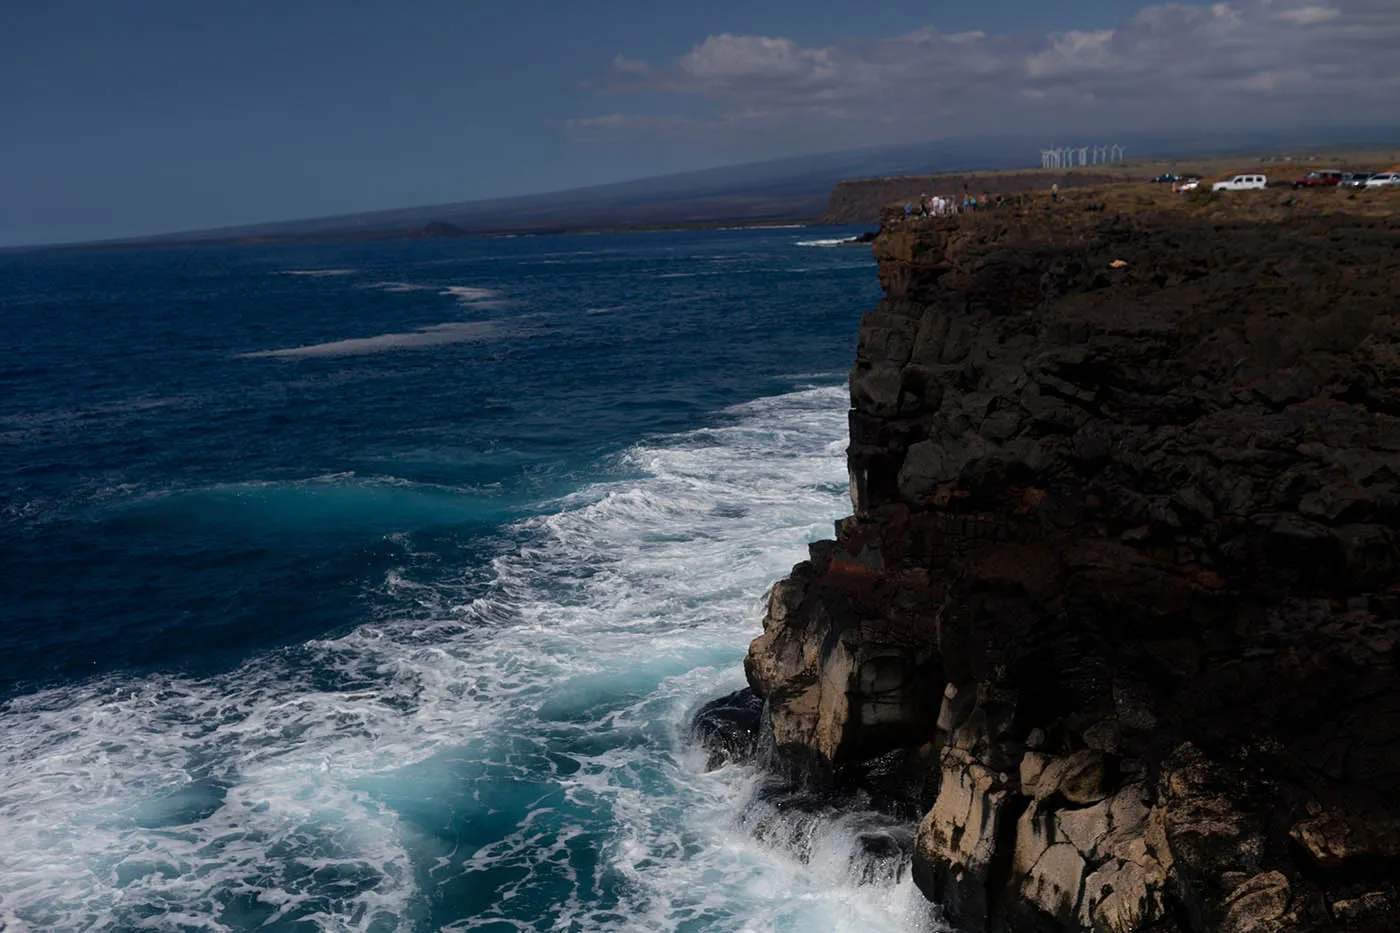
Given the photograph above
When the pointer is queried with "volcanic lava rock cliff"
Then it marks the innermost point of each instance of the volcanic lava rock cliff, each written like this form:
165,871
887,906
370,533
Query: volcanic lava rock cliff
1119,605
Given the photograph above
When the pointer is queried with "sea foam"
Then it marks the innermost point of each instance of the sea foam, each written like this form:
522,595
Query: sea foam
436,335
506,757
837,241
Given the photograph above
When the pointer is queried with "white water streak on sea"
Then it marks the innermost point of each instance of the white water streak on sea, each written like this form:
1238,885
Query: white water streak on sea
840,241
274,793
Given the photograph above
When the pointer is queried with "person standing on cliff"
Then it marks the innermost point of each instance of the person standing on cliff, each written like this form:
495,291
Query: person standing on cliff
1055,191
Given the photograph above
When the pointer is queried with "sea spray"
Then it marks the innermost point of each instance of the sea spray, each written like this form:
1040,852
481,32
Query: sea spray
518,758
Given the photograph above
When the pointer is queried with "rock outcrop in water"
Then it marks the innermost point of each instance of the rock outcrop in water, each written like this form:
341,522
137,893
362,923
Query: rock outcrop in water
1121,593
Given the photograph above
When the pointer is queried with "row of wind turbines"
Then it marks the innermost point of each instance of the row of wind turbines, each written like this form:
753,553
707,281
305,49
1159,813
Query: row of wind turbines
1070,156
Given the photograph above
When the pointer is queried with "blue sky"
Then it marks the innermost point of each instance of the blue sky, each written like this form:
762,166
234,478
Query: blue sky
123,118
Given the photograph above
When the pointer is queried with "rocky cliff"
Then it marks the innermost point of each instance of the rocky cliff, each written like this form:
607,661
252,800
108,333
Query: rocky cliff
1117,615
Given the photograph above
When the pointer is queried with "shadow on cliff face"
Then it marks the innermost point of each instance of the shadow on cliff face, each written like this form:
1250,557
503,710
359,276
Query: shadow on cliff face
1117,617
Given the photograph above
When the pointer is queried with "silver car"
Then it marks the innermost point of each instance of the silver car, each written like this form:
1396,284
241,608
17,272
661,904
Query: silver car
1383,180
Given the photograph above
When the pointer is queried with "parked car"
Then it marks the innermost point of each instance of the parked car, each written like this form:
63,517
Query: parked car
1355,179
1383,180
1328,178
1167,178
1242,183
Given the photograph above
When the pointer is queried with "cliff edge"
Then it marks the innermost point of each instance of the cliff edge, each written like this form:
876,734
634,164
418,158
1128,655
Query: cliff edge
1118,610
861,201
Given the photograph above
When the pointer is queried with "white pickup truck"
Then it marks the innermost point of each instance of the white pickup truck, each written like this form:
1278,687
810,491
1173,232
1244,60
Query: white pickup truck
1241,183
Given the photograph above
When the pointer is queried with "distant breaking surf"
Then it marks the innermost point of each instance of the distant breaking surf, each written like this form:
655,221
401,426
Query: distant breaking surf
435,335
842,241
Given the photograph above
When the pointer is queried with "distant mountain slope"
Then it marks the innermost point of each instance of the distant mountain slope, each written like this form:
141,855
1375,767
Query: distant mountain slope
785,190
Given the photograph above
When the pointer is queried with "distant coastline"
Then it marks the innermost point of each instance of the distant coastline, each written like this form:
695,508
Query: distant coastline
844,190
386,236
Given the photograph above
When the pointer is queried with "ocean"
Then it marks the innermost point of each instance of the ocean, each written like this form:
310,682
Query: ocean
371,587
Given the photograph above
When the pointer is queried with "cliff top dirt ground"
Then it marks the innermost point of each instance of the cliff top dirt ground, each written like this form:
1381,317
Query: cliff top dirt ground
1268,205
1279,168
860,201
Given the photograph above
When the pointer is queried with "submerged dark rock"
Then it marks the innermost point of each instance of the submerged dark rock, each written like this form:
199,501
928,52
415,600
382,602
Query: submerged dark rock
728,728
1117,615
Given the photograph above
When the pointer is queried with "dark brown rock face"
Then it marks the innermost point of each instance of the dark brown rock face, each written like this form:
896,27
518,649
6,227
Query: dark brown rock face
1123,575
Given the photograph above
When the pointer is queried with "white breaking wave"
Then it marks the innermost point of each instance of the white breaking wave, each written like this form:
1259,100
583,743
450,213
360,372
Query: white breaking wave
478,298
468,294
350,782
840,241
436,335
767,227
401,287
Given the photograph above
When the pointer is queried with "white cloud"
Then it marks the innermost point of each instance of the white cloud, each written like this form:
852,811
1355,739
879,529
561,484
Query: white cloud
1169,63
1073,52
1309,15
726,57
630,66
1264,81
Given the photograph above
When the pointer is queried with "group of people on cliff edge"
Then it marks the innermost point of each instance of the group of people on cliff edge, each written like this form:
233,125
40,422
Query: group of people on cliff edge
939,206
935,206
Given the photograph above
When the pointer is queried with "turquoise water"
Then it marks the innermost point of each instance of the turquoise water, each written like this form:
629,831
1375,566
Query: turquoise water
371,587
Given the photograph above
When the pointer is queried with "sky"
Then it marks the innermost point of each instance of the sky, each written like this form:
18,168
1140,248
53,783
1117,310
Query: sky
151,116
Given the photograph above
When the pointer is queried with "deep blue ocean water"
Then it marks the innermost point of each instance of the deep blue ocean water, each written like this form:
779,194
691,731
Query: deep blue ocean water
370,587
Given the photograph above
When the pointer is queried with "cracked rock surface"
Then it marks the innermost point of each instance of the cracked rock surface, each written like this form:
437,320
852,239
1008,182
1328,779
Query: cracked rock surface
1121,587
